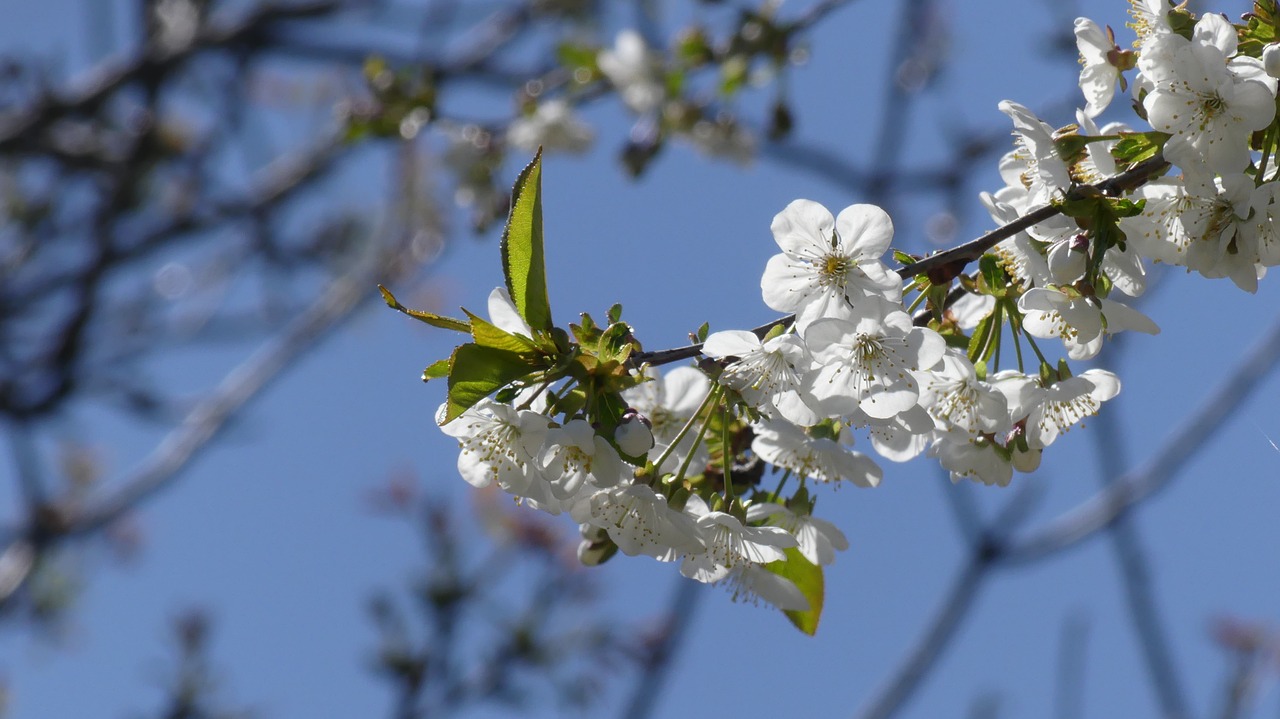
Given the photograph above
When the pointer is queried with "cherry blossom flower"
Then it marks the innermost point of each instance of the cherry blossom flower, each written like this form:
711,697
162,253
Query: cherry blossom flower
634,434
828,264
958,401
785,445
1205,97
766,374
1098,76
1079,321
639,521
976,459
753,583
819,539
634,69
669,402
1068,401
865,364
574,455
728,543
498,444
552,126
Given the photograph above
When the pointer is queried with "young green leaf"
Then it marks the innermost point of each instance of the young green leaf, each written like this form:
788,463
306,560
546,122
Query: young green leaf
808,579
445,323
523,263
478,372
489,335
436,370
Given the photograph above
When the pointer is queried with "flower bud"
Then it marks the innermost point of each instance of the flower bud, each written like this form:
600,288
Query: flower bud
595,548
634,434
1271,59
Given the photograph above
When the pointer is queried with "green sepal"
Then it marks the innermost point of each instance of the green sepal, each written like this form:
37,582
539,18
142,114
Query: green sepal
587,332
808,579
616,343
523,263
1181,21
477,372
489,335
444,323
436,370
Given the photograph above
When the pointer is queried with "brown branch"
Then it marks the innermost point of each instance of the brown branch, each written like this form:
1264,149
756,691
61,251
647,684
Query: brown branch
954,260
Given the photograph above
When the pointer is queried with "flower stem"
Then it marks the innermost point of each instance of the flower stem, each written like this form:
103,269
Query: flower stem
666,453
726,454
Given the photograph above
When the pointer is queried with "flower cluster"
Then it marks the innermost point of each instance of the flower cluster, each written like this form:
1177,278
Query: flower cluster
674,465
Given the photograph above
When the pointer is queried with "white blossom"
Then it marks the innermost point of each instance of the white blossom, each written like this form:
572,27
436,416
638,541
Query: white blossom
787,446
819,539
828,263
552,126
766,374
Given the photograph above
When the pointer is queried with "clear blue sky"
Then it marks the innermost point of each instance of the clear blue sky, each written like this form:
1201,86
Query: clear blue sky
270,533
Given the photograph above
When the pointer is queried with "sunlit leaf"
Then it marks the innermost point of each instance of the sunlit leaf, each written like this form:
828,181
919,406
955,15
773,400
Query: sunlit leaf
446,323
490,335
808,579
478,372
436,370
523,263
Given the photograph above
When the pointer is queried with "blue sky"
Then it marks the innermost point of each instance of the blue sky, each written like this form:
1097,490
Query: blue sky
269,530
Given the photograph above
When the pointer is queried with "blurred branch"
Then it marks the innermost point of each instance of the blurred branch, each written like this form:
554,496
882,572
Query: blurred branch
984,556
1144,612
1107,506
656,665
19,134
210,416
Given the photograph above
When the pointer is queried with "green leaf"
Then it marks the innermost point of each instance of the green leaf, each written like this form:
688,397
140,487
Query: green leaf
490,335
445,323
981,337
808,579
478,372
523,263
436,370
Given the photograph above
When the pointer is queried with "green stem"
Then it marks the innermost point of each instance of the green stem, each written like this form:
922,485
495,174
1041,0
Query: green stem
778,490
1034,348
726,454
997,333
702,432
666,453
1267,146
541,388
1017,346
916,302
